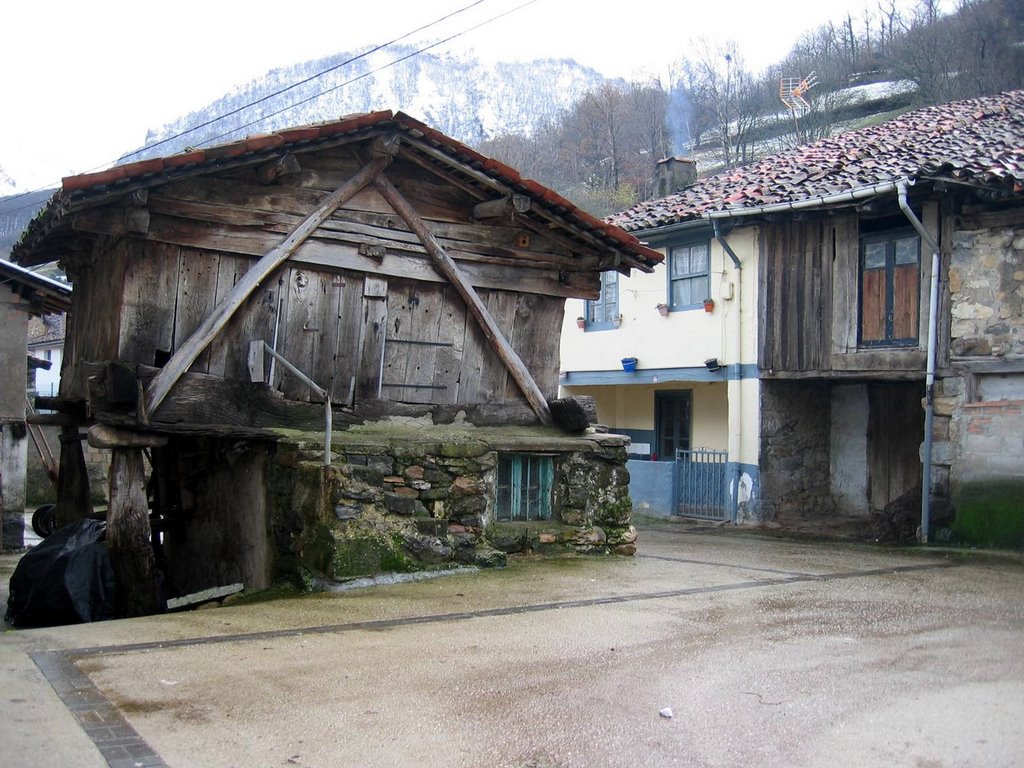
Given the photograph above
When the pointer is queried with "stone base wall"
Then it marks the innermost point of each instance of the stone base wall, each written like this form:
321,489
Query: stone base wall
402,505
795,434
986,482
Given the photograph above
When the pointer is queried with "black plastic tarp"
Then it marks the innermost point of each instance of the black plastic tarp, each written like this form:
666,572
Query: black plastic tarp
66,579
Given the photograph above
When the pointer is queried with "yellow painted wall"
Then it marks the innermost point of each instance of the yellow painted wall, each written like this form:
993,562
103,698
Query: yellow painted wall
632,407
726,415
683,339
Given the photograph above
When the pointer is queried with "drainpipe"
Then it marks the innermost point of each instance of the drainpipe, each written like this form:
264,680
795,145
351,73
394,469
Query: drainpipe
929,406
736,431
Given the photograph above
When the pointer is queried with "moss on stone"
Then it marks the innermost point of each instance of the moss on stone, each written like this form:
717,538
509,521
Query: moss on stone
990,513
615,512
367,554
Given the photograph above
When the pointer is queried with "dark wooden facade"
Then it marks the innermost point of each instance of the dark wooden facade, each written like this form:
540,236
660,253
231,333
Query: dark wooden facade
809,305
362,305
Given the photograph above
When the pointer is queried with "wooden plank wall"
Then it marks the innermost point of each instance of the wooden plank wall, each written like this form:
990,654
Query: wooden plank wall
360,325
798,261
234,214
94,320
341,332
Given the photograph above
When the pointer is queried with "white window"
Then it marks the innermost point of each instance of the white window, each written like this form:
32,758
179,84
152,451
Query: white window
688,283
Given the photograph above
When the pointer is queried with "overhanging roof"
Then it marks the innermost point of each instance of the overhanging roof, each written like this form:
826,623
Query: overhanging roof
41,294
426,146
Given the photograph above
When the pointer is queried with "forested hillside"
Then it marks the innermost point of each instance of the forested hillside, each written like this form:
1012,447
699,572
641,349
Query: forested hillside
600,153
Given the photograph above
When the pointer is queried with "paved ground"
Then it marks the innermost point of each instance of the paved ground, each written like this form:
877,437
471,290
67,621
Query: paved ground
769,652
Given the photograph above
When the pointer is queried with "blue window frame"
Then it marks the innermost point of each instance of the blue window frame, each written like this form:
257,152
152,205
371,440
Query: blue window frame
523,489
688,275
603,313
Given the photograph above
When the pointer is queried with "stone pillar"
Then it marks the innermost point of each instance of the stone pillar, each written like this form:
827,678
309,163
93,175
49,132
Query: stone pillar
13,442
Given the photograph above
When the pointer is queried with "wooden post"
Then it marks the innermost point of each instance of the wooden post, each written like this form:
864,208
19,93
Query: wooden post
129,535
73,497
194,345
447,267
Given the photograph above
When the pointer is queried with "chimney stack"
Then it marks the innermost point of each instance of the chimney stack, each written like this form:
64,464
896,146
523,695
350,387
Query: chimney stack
673,174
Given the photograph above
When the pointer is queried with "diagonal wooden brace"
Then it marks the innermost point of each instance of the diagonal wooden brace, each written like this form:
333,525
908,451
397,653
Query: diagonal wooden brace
187,353
447,267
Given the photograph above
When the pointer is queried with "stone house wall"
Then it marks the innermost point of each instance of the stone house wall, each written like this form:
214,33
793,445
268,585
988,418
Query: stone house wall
395,504
986,288
795,434
978,434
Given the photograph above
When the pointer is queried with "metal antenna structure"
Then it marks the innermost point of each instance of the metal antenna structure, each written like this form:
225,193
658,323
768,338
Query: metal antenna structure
792,92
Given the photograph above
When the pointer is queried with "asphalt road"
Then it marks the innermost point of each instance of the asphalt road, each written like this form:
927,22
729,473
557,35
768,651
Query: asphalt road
768,652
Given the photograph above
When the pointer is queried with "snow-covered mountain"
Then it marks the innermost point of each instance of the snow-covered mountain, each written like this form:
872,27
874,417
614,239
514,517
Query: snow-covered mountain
7,184
460,96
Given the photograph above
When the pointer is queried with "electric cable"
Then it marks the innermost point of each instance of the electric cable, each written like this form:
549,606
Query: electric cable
4,210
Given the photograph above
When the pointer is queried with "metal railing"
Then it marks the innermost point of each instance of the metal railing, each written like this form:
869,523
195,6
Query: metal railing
701,485
255,362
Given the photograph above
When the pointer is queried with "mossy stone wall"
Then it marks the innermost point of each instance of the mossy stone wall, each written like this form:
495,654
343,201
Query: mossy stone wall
394,504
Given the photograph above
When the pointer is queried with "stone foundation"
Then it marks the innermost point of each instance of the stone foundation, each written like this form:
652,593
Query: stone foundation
404,498
795,449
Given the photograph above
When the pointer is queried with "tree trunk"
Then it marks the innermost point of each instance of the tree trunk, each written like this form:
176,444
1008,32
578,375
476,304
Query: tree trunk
128,535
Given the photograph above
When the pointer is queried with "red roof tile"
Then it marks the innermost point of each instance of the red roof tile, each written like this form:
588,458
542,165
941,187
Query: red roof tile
162,170
977,141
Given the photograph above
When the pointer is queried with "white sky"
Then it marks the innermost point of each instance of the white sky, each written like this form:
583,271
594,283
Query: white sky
81,81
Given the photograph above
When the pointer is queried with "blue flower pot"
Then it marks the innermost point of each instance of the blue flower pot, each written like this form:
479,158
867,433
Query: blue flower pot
629,364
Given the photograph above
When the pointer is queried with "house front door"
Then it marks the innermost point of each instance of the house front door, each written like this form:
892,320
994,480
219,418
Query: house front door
672,415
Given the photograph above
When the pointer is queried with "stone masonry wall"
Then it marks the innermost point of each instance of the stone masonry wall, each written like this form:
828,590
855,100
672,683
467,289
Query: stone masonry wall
402,505
986,287
978,449
795,451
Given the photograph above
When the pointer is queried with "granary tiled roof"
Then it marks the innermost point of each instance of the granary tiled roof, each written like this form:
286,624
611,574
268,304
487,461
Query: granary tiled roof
473,168
40,294
976,141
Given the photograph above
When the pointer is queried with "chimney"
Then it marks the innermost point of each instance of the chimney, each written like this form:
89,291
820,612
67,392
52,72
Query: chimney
673,174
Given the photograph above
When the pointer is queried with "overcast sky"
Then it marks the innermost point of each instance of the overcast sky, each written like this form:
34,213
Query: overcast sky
82,81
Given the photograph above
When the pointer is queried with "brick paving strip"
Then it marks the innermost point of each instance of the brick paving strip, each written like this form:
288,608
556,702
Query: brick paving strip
123,747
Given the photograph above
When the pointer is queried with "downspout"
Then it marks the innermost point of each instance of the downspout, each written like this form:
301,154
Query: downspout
929,401
736,431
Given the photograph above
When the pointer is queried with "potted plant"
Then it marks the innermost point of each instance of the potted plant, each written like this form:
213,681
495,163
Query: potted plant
662,309
709,305
581,322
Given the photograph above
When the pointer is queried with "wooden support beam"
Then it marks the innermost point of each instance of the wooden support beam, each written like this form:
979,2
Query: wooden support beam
447,267
73,498
106,436
129,536
285,165
503,207
260,271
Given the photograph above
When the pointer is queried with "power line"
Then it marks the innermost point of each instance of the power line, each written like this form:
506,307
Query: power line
309,79
364,75
4,211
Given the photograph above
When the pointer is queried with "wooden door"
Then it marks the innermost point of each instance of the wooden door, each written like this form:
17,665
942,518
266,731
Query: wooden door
895,433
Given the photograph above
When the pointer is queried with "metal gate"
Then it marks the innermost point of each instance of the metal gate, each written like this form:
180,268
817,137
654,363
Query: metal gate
701,490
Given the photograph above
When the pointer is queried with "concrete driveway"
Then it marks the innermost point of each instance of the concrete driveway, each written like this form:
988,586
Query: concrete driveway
768,652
